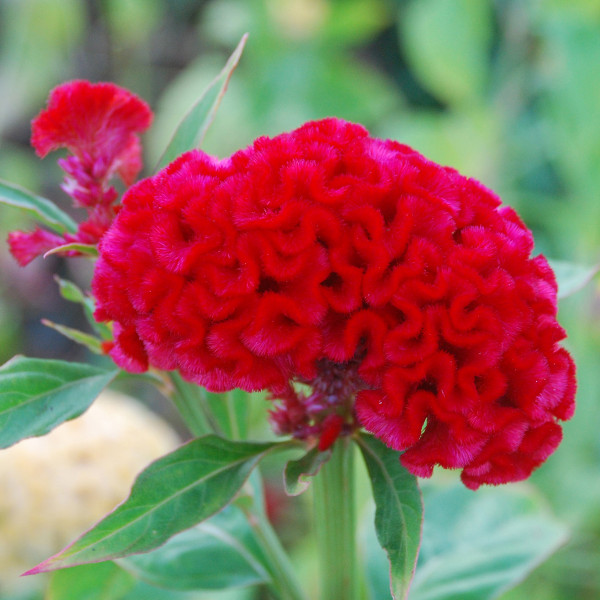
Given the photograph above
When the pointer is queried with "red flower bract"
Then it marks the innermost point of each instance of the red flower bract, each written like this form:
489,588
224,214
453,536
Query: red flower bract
25,246
356,266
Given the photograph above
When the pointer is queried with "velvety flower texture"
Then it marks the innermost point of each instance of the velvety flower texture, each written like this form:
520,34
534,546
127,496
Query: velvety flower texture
97,123
399,291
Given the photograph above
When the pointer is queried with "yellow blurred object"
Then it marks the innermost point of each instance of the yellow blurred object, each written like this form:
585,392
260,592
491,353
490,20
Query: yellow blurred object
298,19
55,487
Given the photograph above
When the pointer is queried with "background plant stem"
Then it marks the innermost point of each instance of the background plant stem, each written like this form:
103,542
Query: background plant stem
189,402
334,515
284,582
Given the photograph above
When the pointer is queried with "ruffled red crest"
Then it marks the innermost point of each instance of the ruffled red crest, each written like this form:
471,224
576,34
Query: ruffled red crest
97,122
398,290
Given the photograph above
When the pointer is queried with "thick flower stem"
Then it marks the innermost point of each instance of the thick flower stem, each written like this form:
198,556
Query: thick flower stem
284,584
333,490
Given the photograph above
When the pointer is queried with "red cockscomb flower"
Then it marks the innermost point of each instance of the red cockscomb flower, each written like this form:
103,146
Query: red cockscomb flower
97,123
398,290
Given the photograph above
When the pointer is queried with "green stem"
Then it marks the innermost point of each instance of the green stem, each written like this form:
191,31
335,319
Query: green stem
284,584
191,406
333,491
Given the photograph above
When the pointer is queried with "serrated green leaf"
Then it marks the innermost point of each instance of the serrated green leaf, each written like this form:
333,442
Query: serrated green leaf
219,553
399,511
102,581
93,344
297,474
90,250
572,277
447,45
477,545
192,129
174,493
40,208
69,291
38,395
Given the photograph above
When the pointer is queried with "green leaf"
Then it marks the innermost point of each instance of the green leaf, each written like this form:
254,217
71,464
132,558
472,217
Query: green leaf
447,45
297,474
477,545
105,581
93,344
174,493
26,594
40,208
102,581
145,591
572,277
399,511
38,395
219,553
374,558
90,250
69,291
192,129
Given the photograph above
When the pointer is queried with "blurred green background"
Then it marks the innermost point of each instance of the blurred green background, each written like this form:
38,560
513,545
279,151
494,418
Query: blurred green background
506,91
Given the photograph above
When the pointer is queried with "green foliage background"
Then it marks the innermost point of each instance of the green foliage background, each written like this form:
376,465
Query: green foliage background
506,91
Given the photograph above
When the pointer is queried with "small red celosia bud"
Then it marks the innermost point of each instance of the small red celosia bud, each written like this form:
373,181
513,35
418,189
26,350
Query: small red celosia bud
97,122
399,291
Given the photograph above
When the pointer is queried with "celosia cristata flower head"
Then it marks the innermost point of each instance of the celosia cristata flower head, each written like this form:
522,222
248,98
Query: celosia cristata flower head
98,123
400,291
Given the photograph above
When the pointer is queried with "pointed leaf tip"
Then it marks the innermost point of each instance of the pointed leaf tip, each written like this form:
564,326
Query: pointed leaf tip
93,344
572,277
37,395
90,250
37,570
191,131
173,494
